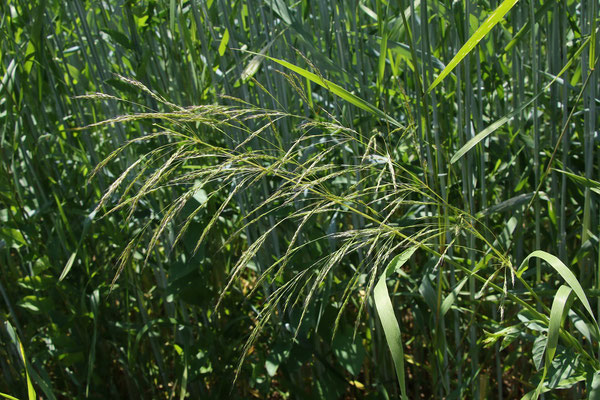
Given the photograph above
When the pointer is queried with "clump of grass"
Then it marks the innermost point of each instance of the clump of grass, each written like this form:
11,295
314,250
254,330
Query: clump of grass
311,181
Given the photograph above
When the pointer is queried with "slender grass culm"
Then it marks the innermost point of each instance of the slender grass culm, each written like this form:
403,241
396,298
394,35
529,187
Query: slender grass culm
311,199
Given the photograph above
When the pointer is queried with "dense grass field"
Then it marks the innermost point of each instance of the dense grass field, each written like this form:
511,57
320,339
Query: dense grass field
308,199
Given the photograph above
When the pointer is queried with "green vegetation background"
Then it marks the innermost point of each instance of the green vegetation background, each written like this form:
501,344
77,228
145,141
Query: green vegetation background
499,160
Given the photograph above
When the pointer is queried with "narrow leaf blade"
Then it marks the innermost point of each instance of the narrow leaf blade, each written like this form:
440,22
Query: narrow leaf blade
479,34
385,311
337,90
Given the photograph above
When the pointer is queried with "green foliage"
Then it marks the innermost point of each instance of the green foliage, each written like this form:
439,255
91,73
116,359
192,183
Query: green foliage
249,199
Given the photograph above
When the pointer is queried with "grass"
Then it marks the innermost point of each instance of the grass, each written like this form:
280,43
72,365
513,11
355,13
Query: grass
211,199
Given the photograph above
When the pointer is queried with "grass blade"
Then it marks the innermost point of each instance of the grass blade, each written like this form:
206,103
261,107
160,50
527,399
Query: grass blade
479,34
15,339
493,127
565,273
68,266
385,310
337,90
594,186
559,306
8,396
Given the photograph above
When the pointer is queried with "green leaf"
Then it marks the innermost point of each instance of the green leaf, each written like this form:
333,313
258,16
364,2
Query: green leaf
14,237
539,14
507,335
428,292
224,41
566,369
118,37
329,386
390,325
255,63
451,298
479,34
397,262
276,356
557,313
582,326
565,273
8,396
592,54
537,351
594,387
349,351
68,266
337,90
172,8
382,57
36,304
281,9
493,127
17,342
512,203
594,186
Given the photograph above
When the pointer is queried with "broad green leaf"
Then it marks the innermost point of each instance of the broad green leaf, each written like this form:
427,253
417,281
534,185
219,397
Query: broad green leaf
8,76
370,13
479,34
391,329
582,326
281,9
29,56
537,351
86,226
184,376
118,37
30,390
140,22
566,369
403,51
36,304
508,335
329,386
491,129
533,323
